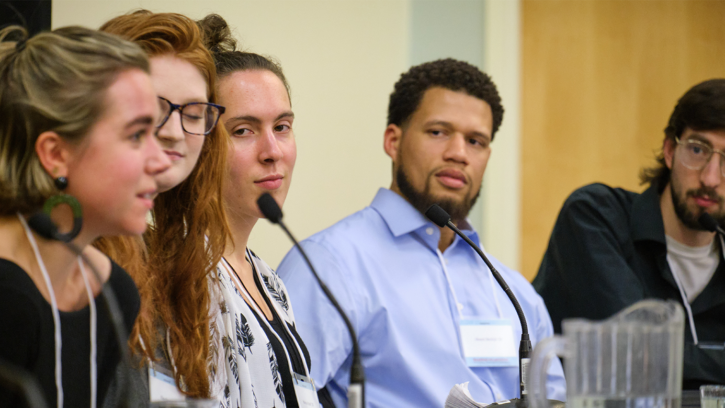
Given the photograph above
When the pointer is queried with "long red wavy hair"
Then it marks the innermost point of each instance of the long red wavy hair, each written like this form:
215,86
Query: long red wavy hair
172,263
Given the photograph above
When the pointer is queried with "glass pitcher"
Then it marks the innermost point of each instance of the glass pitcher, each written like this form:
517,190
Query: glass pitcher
631,360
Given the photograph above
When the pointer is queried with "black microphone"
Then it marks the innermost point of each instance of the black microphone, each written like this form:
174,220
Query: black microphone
44,226
709,223
356,392
18,378
441,218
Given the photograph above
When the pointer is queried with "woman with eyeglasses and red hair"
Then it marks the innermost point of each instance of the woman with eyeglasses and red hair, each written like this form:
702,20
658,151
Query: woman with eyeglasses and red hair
188,230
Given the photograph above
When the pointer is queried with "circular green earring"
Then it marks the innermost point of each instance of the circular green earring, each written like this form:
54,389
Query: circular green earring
61,183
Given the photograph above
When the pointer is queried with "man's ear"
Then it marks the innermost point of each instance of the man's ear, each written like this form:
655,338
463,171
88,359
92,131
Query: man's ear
668,151
391,143
53,153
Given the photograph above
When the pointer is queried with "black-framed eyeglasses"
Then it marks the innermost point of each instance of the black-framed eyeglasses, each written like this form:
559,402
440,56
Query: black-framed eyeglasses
696,155
197,118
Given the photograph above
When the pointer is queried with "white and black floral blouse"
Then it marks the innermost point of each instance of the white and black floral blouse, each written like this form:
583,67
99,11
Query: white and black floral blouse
244,367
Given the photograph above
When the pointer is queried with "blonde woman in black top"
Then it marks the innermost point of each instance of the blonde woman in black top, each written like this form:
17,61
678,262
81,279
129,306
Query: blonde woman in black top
77,114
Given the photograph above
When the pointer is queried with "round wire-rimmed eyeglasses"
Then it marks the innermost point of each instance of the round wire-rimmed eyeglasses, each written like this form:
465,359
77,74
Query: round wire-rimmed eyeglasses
197,118
697,154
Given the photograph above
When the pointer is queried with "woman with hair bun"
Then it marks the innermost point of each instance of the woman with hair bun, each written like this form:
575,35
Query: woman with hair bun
172,265
77,114
264,362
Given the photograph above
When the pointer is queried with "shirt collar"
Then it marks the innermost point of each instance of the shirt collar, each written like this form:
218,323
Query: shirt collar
402,218
646,217
398,213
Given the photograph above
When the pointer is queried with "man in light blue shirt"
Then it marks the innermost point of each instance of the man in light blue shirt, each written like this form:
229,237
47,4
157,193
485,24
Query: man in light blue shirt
408,285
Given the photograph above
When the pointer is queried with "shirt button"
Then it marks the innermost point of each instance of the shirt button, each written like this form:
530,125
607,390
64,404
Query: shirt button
460,307
429,231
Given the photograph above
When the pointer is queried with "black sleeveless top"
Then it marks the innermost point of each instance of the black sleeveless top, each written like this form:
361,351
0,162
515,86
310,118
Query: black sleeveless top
27,339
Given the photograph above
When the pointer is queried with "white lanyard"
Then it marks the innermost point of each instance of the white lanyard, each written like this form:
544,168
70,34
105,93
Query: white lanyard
168,347
459,306
56,320
685,302
494,286
94,338
496,351
171,353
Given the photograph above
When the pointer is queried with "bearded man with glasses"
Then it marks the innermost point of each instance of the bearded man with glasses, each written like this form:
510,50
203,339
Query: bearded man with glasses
611,248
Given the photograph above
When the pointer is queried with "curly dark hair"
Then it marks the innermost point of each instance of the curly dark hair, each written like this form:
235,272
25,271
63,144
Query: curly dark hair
445,73
701,108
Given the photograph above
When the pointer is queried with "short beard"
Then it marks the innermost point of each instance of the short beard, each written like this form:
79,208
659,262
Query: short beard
688,218
422,200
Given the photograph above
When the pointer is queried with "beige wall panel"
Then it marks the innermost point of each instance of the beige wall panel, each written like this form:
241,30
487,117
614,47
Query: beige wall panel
341,59
599,81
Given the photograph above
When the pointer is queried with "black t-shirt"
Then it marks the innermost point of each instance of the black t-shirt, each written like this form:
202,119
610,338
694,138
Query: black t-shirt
27,338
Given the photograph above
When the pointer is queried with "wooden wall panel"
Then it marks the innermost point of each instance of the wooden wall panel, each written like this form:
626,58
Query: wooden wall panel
599,81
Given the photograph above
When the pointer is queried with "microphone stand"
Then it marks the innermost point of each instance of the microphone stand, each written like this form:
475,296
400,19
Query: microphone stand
16,377
44,226
441,218
356,391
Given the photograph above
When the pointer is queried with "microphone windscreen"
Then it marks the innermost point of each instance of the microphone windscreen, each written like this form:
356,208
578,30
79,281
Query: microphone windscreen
707,222
438,215
42,224
268,206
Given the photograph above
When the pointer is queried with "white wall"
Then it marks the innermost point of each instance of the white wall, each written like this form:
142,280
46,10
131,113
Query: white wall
502,182
342,58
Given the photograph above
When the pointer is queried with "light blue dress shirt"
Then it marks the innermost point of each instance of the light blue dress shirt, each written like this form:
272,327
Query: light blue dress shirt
382,265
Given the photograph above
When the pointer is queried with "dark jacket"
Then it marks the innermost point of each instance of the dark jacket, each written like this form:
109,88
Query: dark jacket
608,251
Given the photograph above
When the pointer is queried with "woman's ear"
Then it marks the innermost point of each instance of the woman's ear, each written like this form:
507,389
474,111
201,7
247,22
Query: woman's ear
53,153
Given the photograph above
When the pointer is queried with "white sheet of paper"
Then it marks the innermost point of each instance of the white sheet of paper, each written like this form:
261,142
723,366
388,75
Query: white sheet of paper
488,343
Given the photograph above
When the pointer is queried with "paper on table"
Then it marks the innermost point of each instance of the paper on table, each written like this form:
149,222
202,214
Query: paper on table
460,397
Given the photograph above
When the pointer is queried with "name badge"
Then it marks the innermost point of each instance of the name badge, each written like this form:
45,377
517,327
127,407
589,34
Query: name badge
162,386
489,343
305,391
